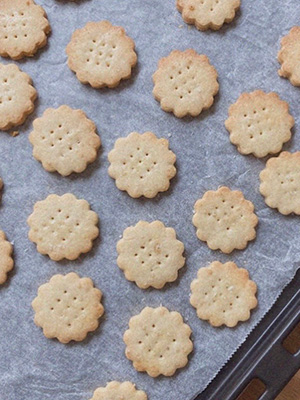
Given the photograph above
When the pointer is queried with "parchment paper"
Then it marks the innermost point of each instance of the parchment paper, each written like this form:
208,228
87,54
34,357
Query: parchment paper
244,53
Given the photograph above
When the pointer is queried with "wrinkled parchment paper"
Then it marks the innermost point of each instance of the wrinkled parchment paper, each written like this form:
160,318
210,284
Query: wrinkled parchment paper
244,53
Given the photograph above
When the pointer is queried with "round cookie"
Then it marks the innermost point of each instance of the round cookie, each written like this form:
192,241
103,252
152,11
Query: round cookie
185,83
223,294
150,254
289,56
225,220
280,183
23,28
208,14
101,54
6,260
64,140
259,123
142,164
63,226
17,96
158,341
119,390
68,307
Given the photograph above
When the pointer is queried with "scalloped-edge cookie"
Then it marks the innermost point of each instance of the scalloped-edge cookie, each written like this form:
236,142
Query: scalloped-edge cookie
63,226
185,83
142,164
64,140
289,56
119,390
208,14
6,260
223,294
259,123
68,307
23,28
280,183
158,341
17,96
101,54
225,219
150,254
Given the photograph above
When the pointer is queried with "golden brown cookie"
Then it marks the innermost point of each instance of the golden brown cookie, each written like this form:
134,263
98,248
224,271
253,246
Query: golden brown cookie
68,307
185,83
225,220
289,56
23,28
280,183
150,254
119,390
101,54
142,164
63,226
259,123
17,96
6,260
158,341
223,294
208,14
64,140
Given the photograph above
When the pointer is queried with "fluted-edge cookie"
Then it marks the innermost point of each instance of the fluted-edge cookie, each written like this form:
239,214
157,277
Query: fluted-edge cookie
289,56
6,260
23,28
64,140
259,123
101,54
119,390
208,14
17,96
185,83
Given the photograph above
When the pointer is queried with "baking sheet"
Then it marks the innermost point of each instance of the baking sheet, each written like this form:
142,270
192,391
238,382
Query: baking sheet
244,53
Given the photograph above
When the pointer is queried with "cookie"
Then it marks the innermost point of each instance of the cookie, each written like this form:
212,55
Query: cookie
150,254
142,164
185,83
280,183
208,14
68,307
64,140
289,56
6,260
23,28
17,96
101,54
63,226
158,341
225,220
223,294
119,390
259,123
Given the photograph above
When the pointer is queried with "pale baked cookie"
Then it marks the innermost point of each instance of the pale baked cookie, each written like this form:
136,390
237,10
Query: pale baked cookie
223,294
158,341
6,260
150,254
225,220
119,390
142,164
64,140
280,183
63,226
17,96
23,28
101,54
208,14
259,123
185,83
68,307
289,56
